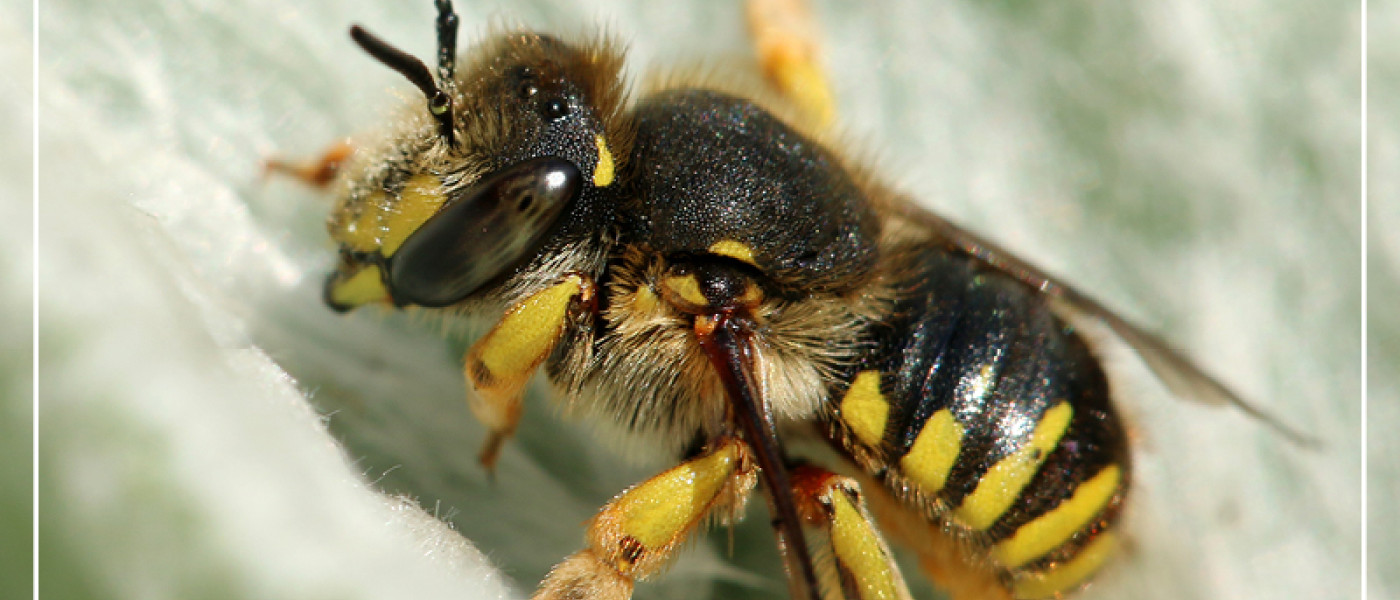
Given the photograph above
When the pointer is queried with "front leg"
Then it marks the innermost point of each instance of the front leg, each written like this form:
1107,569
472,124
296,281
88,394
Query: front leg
638,531
501,362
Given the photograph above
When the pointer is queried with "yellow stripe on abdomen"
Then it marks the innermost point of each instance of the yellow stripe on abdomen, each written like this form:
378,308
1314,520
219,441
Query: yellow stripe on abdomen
864,409
1052,529
1067,575
934,452
1001,485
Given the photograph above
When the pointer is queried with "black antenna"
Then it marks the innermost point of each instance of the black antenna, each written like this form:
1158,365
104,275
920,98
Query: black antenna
447,41
439,103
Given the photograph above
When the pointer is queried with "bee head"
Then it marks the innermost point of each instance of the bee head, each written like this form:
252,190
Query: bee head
507,162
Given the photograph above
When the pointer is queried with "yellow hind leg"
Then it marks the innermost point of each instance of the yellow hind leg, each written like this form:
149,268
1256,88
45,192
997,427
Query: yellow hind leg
785,36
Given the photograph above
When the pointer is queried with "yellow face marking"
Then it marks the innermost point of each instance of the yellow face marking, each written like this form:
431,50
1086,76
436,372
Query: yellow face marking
603,173
687,288
363,233
860,550
864,409
363,287
736,250
420,199
527,333
1048,531
1066,576
935,450
1002,484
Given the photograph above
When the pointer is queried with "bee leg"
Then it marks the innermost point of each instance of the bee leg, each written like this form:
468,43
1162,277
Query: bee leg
861,567
319,173
785,37
498,366
636,533
941,557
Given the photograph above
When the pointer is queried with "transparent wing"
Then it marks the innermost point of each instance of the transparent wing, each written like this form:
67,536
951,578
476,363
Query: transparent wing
1173,368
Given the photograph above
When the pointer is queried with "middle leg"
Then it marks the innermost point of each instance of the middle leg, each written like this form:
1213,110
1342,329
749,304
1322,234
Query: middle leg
857,562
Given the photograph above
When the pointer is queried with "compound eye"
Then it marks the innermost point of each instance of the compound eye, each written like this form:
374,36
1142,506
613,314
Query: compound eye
482,232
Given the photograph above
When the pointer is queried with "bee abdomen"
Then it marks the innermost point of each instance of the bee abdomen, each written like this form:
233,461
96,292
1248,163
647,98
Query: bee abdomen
991,415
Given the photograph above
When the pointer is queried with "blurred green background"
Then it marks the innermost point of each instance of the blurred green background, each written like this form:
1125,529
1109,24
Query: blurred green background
16,303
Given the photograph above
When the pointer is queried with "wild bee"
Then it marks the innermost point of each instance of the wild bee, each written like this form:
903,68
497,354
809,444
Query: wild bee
702,269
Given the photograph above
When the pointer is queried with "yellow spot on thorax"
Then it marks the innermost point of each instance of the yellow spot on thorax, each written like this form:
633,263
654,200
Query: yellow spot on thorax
1054,528
603,173
1003,482
864,409
1068,575
363,287
934,451
736,250
420,199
